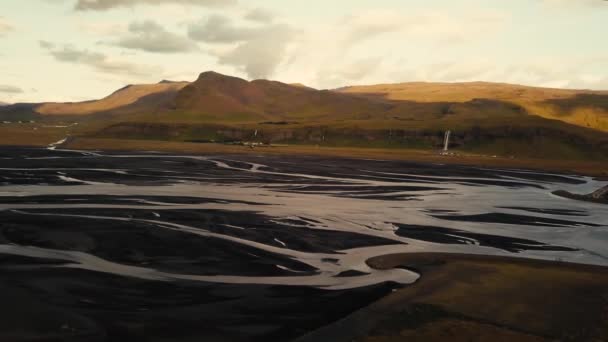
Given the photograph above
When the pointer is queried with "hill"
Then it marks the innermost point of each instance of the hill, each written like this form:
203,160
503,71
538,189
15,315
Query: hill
142,95
223,108
584,108
484,118
226,98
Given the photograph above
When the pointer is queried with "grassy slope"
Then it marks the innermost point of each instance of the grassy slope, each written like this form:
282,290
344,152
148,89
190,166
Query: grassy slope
579,107
121,98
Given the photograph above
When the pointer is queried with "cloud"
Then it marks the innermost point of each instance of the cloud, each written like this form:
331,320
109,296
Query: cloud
368,25
369,46
98,61
342,51
149,36
10,89
259,57
549,72
5,27
102,28
348,73
46,44
220,29
573,3
260,15
102,5
256,50
432,25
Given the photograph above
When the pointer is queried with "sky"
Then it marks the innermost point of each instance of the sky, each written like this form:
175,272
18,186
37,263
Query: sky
74,50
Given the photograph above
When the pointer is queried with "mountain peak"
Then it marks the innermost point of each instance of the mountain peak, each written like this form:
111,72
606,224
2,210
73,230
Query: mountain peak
215,76
211,73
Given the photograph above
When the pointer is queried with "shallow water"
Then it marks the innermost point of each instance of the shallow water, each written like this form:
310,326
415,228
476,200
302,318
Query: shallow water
273,220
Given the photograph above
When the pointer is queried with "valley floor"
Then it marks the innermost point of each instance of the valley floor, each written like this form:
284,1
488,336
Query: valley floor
583,167
37,135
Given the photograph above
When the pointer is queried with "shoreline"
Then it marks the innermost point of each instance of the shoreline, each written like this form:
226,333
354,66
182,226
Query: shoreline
591,168
464,297
598,170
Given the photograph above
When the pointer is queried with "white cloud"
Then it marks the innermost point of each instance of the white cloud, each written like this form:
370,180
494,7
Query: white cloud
5,27
9,89
261,15
437,25
549,72
221,29
99,61
364,47
260,56
103,28
574,3
101,5
149,36
349,73
255,50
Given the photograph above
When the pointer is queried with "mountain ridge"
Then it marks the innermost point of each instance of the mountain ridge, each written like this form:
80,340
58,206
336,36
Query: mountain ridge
484,117
586,108
122,97
223,94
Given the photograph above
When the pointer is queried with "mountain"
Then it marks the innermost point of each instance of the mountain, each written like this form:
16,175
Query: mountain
4,104
484,118
584,108
224,108
228,98
131,99
142,96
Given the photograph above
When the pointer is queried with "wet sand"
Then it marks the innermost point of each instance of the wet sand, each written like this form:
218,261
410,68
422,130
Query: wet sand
481,298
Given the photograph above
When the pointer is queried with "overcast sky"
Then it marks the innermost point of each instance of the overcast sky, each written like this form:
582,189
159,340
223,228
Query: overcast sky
72,50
